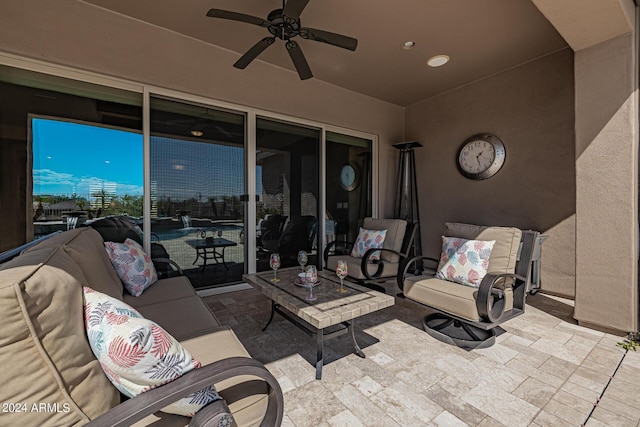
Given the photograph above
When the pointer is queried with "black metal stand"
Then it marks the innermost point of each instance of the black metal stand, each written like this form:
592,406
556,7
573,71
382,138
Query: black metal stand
406,203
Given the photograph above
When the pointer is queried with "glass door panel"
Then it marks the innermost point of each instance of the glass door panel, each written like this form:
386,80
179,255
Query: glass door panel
288,188
197,180
349,189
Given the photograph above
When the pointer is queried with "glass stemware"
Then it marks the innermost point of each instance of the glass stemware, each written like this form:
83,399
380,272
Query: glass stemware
219,233
342,271
302,259
311,279
274,263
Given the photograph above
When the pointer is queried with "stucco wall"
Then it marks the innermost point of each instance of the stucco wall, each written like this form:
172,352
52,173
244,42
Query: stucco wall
606,184
76,34
531,109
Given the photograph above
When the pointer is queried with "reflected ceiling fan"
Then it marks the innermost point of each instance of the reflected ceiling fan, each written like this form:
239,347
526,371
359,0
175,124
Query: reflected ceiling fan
285,24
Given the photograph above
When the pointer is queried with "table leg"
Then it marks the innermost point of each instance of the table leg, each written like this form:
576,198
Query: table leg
222,256
319,357
355,343
273,310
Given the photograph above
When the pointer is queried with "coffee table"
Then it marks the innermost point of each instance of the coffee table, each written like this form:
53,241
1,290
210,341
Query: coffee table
330,315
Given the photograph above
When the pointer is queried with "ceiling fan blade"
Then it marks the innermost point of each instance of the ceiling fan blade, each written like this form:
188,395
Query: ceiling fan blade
293,9
235,16
339,40
299,61
253,53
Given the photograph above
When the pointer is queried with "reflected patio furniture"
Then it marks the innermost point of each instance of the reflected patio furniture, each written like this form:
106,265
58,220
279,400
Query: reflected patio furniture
395,250
299,234
468,317
210,248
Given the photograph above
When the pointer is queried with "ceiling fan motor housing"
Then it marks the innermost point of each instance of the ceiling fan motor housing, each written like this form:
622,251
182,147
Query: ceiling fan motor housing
282,26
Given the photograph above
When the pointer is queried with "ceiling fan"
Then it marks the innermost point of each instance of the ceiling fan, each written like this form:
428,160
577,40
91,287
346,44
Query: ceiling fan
285,24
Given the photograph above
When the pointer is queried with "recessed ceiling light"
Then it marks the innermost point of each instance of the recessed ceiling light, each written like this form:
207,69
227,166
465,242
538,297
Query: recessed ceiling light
408,44
197,133
438,60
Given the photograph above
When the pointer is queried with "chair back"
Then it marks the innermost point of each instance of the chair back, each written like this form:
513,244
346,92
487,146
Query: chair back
505,251
396,231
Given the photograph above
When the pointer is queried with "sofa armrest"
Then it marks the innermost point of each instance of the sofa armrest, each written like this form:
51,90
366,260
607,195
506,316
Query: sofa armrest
144,404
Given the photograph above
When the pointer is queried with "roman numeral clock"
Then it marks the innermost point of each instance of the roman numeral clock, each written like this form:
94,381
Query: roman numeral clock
481,156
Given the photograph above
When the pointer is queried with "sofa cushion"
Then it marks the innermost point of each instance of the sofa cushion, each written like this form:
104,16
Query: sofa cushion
396,229
41,306
164,290
133,265
137,354
504,253
246,395
368,239
182,317
464,261
86,248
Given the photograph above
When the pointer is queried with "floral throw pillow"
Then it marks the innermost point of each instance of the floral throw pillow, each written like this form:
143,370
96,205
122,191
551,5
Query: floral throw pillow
133,265
464,261
368,239
136,354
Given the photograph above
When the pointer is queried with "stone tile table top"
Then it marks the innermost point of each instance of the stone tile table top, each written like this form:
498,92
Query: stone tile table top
331,307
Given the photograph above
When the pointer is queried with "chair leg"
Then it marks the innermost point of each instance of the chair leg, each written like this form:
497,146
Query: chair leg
458,333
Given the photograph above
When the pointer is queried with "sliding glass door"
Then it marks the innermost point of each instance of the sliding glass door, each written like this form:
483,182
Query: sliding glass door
288,192
349,185
197,156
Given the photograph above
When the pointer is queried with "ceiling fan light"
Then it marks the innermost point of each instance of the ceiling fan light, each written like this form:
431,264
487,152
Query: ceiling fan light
197,132
438,60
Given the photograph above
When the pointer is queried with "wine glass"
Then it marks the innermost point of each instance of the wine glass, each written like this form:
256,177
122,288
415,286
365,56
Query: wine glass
342,270
219,233
274,263
311,279
302,259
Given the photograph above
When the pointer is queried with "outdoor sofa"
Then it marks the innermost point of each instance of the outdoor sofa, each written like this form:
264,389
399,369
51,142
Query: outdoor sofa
50,375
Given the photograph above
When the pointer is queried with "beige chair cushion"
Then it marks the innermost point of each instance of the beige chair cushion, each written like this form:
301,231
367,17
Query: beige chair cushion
450,297
86,247
396,229
355,270
44,352
505,251
217,345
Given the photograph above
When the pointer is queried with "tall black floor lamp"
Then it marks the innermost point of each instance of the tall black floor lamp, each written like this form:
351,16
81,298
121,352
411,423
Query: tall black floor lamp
406,203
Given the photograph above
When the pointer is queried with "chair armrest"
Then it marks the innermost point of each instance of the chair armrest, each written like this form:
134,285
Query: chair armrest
492,309
170,262
155,399
331,247
402,272
366,260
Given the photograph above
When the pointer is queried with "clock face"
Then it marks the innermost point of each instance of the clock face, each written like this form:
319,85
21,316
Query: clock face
348,177
481,156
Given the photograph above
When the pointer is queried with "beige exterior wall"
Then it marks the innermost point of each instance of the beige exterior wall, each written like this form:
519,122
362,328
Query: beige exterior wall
532,114
607,184
79,35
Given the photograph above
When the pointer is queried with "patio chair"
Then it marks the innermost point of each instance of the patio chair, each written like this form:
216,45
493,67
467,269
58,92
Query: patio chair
119,228
298,235
467,315
366,267
269,231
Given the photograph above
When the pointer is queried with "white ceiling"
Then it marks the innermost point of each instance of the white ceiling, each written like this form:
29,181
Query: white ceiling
481,37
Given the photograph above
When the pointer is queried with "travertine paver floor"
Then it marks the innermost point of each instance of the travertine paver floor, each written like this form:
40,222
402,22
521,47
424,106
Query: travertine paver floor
544,370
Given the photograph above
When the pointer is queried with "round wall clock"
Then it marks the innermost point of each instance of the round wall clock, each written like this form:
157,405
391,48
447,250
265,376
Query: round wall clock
349,176
481,156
